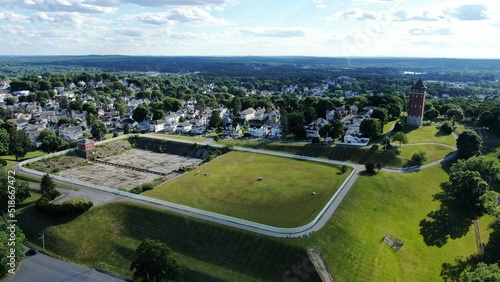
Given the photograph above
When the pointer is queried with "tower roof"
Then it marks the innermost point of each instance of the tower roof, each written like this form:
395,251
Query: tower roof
419,84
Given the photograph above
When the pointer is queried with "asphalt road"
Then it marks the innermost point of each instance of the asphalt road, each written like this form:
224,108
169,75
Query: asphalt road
42,268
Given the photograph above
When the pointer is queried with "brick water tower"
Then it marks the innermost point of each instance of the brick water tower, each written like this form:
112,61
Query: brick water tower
417,104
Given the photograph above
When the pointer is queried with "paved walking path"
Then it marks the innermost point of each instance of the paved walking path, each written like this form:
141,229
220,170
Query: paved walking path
101,197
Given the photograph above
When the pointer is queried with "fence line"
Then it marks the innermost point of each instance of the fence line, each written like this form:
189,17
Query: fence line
284,231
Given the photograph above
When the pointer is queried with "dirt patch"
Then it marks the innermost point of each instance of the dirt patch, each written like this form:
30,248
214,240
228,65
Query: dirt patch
112,148
58,163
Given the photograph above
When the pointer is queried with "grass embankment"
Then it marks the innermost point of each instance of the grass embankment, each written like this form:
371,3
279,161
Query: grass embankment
350,242
184,137
283,198
392,203
108,235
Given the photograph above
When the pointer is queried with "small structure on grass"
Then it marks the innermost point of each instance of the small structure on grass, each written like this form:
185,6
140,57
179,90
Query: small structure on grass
260,178
393,241
86,149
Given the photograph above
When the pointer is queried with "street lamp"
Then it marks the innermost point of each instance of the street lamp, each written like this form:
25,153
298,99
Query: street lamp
43,241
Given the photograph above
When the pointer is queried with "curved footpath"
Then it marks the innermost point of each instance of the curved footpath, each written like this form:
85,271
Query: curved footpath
99,197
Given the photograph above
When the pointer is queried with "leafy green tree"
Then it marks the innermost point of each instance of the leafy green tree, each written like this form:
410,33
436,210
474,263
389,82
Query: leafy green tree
236,105
432,114
5,248
121,108
152,262
89,108
371,127
21,188
483,273
469,188
295,119
215,119
469,144
334,129
315,140
63,102
126,129
447,127
4,141
381,114
488,168
401,138
418,158
172,104
370,166
20,144
99,130
140,113
51,142
285,129
456,114
158,114
310,115
48,187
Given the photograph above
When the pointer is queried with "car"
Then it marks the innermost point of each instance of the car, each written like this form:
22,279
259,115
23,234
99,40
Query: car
32,251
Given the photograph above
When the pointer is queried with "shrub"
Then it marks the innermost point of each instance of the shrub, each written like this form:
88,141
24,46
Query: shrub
344,169
115,134
398,126
374,147
370,166
446,127
418,158
44,205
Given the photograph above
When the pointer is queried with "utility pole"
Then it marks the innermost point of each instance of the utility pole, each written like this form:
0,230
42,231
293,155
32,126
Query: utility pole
43,241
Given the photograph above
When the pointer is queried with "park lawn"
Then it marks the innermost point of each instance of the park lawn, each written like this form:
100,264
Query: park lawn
231,187
388,126
433,152
426,134
108,236
392,203
11,159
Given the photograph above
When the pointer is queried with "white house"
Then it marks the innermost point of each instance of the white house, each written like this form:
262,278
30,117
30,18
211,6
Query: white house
157,125
312,132
330,115
232,130
353,140
248,114
260,114
71,132
198,129
170,127
258,131
184,127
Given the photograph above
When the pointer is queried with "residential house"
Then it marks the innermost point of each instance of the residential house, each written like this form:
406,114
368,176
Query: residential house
71,132
319,123
184,127
258,131
248,114
330,115
157,125
131,123
198,128
170,127
144,125
260,114
312,131
273,115
232,130
354,109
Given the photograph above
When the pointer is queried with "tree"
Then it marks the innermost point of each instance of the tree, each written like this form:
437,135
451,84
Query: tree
446,127
295,120
63,102
215,119
315,140
48,187
310,114
158,114
4,141
401,138
9,259
370,166
431,114
21,188
418,158
126,129
468,144
488,168
152,262
334,129
371,127
455,114
20,144
236,105
99,130
483,273
381,114
50,141
469,188
140,113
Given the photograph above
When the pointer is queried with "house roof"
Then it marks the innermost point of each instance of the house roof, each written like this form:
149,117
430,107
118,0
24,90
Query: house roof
419,84
85,141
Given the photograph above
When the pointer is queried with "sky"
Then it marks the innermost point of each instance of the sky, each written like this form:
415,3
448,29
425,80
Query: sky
326,28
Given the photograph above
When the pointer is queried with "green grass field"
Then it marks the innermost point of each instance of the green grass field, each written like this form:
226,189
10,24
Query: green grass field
394,203
350,242
429,133
433,151
183,137
283,198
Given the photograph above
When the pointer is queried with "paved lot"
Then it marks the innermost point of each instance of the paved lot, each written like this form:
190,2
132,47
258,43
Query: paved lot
42,268
123,178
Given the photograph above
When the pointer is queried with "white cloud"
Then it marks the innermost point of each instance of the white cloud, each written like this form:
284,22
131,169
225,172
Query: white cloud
80,6
177,15
430,31
404,15
354,14
274,32
13,17
163,3
74,19
470,12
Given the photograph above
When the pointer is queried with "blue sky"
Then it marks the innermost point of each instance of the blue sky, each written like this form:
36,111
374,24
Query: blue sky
333,28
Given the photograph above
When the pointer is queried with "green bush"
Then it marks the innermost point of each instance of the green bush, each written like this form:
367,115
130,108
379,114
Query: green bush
447,127
44,205
418,158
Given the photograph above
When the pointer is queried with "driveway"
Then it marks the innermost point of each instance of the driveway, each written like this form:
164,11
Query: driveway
42,268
